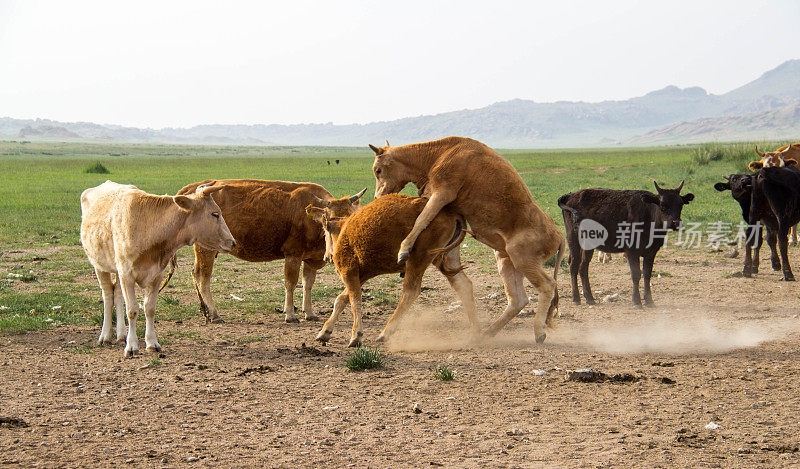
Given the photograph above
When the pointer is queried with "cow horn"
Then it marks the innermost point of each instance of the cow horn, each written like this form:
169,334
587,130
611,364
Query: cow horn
759,153
657,188
378,151
680,187
387,142
355,198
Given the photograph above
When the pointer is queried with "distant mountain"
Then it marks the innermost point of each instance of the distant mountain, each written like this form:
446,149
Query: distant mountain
776,124
663,115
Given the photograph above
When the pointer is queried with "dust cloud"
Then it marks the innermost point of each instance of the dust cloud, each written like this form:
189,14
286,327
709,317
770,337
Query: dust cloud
658,332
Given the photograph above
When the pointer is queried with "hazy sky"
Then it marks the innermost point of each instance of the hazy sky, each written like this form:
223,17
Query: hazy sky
167,63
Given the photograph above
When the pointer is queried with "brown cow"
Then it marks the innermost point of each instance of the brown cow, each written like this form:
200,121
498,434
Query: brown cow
133,234
478,183
365,245
269,222
779,158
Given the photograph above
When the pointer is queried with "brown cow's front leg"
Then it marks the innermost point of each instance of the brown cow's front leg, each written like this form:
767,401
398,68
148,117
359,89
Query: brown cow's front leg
432,208
201,274
647,267
584,272
636,275
309,275
291,272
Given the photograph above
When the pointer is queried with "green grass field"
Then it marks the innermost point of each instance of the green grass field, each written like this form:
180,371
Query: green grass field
40,186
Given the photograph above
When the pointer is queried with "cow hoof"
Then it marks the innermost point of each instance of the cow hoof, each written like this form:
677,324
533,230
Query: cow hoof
776,267
217,320
649,304
121,339
381,338
324,337
540,339
291,319
591,301
155,348
312,317
104,341
788,279
577,302
402,256
638,306
130,353
356,342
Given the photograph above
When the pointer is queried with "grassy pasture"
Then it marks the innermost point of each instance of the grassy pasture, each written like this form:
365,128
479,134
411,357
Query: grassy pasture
40,186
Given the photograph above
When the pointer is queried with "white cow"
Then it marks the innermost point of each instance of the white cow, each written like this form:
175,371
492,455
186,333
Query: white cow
133,234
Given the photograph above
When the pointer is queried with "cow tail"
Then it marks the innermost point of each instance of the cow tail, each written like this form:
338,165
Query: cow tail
173,263
562,203
562,250
441,253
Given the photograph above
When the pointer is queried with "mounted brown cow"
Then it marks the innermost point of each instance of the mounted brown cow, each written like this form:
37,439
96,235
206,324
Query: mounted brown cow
268,220
478,183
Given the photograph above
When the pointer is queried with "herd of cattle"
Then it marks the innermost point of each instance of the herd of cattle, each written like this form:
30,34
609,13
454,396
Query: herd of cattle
464,187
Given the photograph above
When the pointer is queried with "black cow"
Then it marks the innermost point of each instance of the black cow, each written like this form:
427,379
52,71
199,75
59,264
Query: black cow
590,212
778,189
741,187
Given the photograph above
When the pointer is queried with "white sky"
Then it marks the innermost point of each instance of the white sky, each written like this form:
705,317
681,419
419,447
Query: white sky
169,63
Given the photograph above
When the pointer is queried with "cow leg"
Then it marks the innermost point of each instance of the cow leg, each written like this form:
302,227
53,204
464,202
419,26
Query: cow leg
338,306
291,272
515,292
119,305
435,204
793,236
463,288
783,245
132,309
575,255
353,285
772,242
584,272
107,287
647,271
412,283
755,259
747,270
531,267
201,274
150,299
636,275
309,275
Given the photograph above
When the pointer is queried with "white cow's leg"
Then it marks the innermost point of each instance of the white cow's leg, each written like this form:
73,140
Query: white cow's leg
150,297
291,272
107,287
132,309
119,305
309,275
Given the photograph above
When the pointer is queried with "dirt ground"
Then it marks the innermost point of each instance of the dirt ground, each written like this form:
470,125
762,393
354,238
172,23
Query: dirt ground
716,350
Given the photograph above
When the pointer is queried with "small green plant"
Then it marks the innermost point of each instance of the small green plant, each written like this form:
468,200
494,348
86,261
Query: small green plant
170,300
96,168
364,358
155,362
443,373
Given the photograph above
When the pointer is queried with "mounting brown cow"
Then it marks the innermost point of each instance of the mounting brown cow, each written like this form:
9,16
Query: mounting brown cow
786,155
365,245
478,183
269,222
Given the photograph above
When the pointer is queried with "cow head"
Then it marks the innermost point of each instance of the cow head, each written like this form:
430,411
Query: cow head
779,158
671,202
740,185
331,225
390,174
205,224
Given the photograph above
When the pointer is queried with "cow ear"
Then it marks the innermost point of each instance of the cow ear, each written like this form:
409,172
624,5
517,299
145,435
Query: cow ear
755,165
317,202
378,151
650,198
687,198
790,162
315,213
722,186
184,202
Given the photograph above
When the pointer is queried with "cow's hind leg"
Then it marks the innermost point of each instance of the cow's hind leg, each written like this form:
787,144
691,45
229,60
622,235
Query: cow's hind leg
310,268
291,273
647,273
107,287
119,306
783,233
636,275
201,274
584,272
793,236
150,299
515,292
338,306
132,309
772,242
353,285
412,284
575,256
463,287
